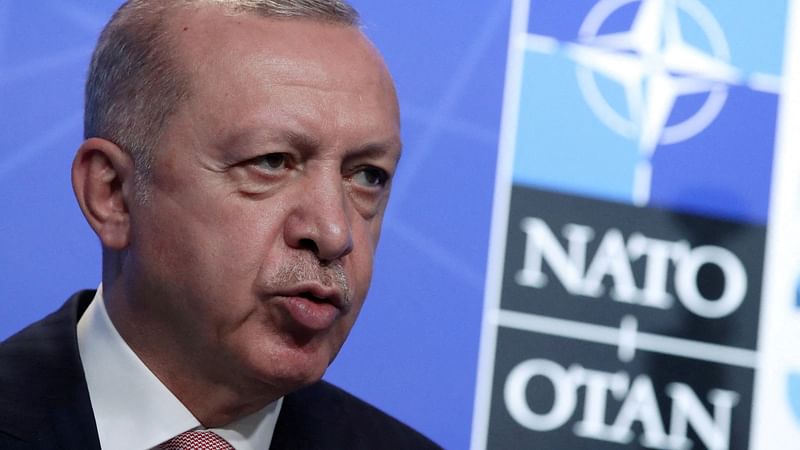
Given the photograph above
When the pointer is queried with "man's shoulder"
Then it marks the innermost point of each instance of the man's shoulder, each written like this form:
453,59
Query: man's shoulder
46,344
40,371
324,416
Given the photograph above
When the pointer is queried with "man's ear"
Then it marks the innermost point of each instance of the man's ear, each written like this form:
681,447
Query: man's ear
103,181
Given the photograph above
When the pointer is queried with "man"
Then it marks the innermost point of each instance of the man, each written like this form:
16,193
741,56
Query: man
237,163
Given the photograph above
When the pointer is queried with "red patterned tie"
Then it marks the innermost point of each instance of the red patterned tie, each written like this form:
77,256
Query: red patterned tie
196,440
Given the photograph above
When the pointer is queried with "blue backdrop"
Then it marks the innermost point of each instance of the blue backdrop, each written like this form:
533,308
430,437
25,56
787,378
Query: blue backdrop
419,332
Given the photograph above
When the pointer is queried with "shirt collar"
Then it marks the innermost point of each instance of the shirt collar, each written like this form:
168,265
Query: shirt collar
132,408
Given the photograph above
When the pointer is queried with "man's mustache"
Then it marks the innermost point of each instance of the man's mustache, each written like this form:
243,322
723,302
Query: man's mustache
302,269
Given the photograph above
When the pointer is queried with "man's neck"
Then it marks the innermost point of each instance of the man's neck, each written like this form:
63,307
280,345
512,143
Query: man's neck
212,398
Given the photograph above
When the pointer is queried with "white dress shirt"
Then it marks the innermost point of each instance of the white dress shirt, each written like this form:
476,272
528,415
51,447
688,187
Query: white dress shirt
132,408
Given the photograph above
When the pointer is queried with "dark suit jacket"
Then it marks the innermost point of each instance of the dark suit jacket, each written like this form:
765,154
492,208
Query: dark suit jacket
44,401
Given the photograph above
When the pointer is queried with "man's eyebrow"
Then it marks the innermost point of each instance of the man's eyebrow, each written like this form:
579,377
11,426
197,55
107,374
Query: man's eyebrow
376,149
390,147
250,136
301,141
308,143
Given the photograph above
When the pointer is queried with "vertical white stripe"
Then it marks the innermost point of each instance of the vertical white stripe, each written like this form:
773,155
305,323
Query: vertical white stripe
642,180
779,329
500,209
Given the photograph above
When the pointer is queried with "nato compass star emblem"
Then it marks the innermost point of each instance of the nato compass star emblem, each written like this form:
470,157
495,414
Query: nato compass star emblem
655,65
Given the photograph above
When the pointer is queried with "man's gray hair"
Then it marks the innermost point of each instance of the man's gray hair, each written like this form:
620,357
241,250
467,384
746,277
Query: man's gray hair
136,83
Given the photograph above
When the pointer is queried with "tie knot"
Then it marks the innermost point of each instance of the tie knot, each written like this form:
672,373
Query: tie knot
196,440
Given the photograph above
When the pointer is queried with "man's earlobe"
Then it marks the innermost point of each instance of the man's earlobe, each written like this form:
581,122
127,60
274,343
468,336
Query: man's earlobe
103,181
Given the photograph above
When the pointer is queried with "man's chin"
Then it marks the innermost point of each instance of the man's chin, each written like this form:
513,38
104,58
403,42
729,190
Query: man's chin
288,359
294,369
286,383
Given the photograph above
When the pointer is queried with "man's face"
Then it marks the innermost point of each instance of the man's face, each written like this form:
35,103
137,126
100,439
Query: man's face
255,249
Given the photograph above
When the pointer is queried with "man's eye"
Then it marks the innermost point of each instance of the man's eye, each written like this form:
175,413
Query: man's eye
371,177
272,161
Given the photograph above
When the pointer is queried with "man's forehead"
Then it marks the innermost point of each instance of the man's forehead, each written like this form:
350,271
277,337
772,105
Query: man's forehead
225,22
292,50
213,35
256,68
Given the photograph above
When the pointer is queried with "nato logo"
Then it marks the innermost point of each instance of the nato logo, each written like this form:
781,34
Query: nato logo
661,103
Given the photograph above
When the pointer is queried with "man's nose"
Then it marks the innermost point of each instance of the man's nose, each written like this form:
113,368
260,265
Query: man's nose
319,222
